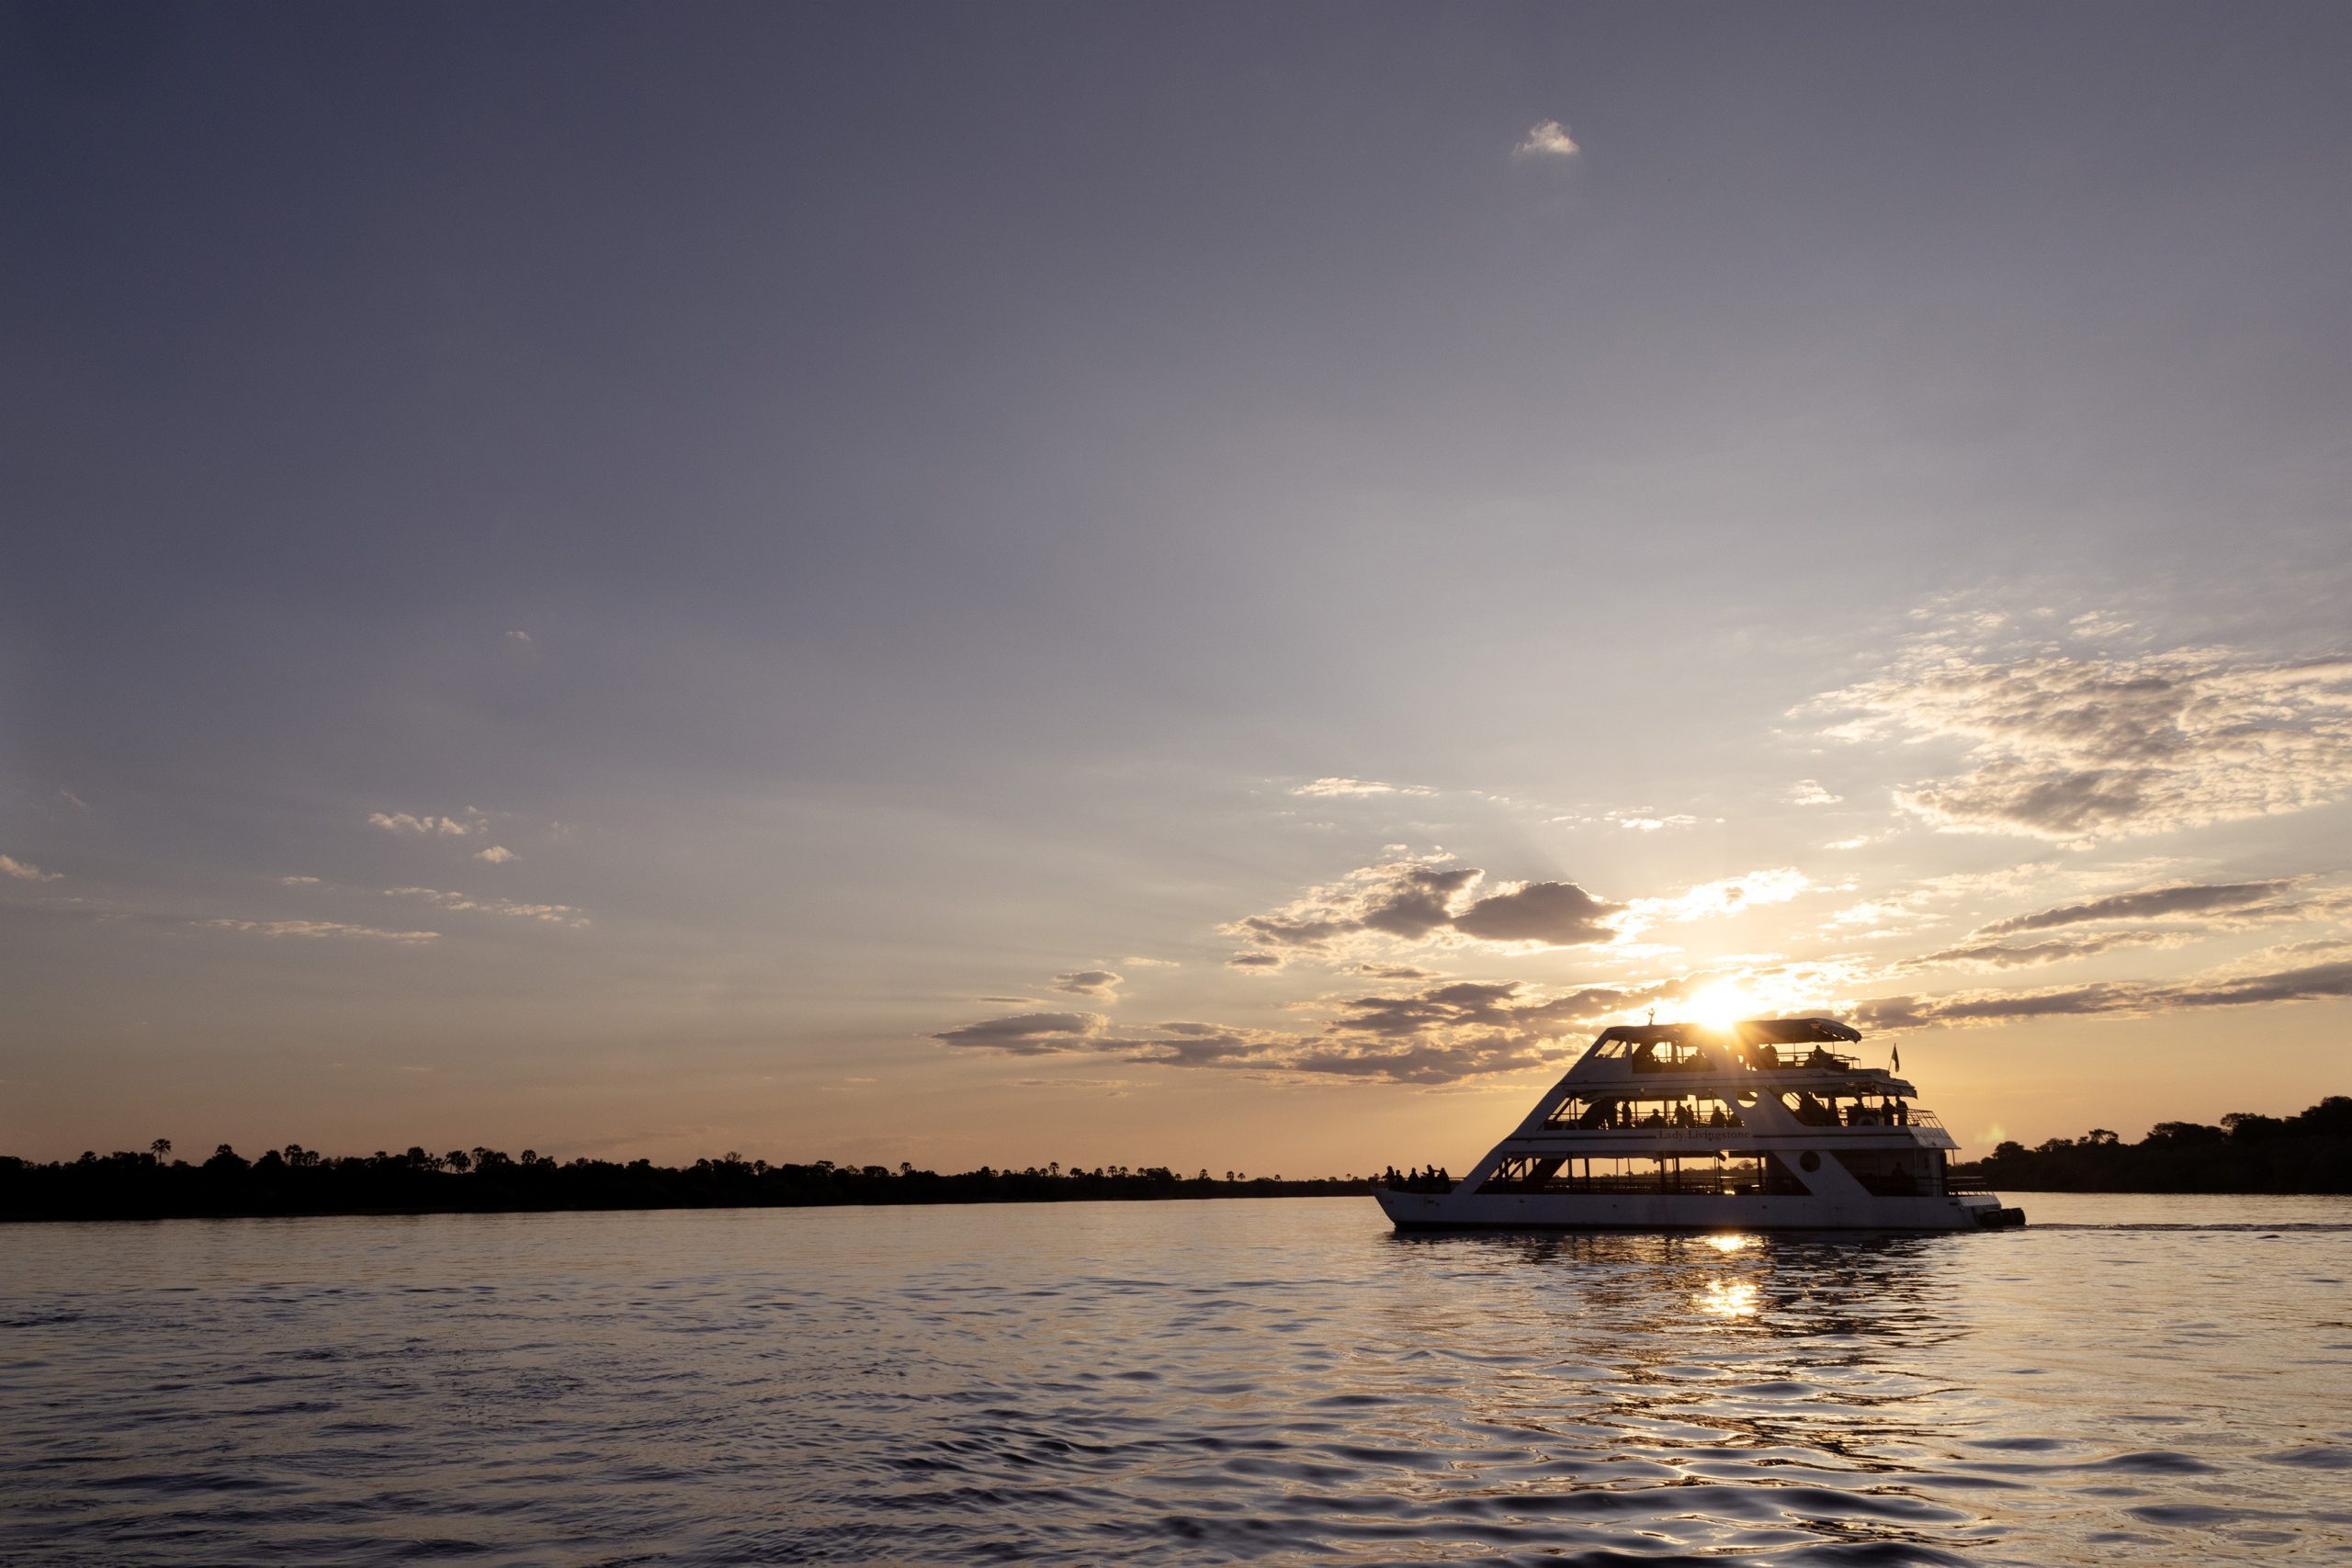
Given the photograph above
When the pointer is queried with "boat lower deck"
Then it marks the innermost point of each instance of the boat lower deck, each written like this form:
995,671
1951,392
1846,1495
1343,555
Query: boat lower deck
1673,1212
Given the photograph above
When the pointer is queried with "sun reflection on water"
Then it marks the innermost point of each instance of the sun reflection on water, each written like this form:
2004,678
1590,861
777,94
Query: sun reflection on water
1728,1298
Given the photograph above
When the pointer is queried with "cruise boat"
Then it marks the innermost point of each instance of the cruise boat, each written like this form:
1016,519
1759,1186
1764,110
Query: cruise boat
1760,1126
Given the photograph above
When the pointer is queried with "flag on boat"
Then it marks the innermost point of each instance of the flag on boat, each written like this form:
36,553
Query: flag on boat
1898,1058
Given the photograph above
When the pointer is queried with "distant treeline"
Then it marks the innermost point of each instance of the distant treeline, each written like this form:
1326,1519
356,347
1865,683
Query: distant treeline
150,1184
2311,1152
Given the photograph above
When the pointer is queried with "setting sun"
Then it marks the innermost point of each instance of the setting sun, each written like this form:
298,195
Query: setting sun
1720,1005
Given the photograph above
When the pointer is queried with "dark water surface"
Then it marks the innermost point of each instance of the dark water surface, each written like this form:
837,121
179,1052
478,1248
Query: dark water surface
2129,1380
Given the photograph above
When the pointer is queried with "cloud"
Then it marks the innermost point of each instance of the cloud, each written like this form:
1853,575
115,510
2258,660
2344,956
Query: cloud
317,929
298,880
1089,983
553,914
1111,1088
1809,791
1418,900
1261,962
1435,1035
2307,982
1414,900
1391,972
2080,749
1548,139
1407,899
1653,824
521,639
2058,950
23,870
401,822
1731,895
497,854
1030,1034
2122,998
2231,899
1329,789
1558,913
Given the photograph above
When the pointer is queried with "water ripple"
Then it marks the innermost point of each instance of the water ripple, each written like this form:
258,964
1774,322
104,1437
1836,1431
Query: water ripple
2138,1379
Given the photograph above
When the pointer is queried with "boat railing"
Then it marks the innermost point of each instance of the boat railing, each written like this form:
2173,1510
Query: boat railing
1817,1060
1728,1181
1701,1131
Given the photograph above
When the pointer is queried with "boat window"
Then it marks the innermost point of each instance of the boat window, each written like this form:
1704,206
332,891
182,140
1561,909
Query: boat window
1709,1172
1653,1110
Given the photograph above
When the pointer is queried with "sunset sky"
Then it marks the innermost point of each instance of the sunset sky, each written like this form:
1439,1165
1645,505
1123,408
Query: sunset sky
1215,585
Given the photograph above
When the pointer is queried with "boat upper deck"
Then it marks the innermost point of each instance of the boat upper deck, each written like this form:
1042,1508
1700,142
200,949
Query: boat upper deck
1776,1046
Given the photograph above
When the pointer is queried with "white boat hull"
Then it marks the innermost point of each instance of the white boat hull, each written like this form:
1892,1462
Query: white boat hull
1675,1212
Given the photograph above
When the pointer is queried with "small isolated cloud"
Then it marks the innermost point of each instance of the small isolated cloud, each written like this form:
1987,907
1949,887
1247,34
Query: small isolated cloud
23,870
1110,1089
1325,789
553,914
403,822
298,880
497,854
1810,792
1089,983
522,639
1030,1034
1259,962
317,929
1391,972
1548,139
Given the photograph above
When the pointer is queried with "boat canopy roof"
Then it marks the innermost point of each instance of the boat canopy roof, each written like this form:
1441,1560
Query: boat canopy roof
1749,1031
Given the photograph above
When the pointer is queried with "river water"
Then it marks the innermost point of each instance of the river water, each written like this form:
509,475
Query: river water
2127,1379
